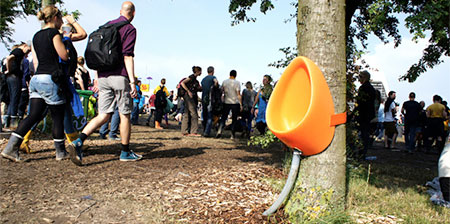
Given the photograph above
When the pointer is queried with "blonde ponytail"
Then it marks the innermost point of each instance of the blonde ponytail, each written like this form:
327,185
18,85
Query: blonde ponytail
47,13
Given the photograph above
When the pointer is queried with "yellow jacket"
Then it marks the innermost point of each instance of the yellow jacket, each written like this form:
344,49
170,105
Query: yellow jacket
164,89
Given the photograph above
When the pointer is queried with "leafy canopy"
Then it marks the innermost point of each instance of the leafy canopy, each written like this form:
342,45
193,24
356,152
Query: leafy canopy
378,17
12,9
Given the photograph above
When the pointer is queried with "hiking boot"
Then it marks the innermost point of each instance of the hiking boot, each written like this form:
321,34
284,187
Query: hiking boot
128,156
11,150
61,152
76,152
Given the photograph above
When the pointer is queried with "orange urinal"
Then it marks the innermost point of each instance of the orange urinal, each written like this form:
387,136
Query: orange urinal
300,111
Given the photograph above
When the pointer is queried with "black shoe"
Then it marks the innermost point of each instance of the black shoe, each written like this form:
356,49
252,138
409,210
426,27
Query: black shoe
102,136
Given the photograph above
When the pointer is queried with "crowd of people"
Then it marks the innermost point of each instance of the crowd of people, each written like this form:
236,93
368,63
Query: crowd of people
422,127
53,79
50,83
214,107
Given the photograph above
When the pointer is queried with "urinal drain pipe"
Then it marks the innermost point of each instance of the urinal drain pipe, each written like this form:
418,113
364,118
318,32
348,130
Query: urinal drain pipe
290,182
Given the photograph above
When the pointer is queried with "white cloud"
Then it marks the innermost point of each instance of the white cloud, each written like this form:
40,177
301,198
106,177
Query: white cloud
394,62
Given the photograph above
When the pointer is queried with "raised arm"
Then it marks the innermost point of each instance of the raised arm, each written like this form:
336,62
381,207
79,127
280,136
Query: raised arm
80,34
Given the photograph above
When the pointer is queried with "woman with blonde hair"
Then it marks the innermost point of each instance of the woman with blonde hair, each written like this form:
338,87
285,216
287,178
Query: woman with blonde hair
45,91
71,31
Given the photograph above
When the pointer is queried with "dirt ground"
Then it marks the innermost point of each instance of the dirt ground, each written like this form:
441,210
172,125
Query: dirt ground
179,180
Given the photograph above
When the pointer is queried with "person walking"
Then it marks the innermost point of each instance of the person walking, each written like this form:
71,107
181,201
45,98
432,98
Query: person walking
116,88
261,99
14,74
161,93
111,127
190,86
136,102
232,102
73,104
422,126
436,114
24,95
248,98
390,129
411,110
151,106
366,109
47,47
207,83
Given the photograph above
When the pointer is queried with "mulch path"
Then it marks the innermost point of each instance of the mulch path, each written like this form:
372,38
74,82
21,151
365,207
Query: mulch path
180,179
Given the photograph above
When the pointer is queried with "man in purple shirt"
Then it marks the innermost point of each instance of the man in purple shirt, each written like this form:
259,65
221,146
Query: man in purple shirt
116,88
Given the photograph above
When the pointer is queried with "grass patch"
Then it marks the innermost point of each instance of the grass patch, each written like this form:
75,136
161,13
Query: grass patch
393,189
390,189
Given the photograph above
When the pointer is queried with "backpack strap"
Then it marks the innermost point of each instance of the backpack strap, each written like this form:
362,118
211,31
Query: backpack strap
116,25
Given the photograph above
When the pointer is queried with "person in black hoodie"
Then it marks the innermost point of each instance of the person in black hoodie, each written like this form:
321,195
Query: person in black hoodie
366,109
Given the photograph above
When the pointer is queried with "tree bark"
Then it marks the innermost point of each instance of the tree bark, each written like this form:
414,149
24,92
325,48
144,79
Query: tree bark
47,2
321,186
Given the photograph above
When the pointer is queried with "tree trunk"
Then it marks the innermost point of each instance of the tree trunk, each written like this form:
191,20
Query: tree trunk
321,186
47,2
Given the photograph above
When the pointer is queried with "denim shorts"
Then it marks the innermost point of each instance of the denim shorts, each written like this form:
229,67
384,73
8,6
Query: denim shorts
42,87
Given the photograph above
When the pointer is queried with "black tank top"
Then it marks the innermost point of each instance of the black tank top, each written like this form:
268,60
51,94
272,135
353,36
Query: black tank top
45,51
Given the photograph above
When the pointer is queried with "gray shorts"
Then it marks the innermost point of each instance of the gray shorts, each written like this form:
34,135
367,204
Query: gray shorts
114,91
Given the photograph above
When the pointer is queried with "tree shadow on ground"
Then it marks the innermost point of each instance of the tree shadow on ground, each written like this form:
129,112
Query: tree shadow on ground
399,170
178,153
114,149
272,155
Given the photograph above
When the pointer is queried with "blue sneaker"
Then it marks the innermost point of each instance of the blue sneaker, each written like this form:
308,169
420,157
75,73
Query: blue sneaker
114,138
128,156
136,155
75,152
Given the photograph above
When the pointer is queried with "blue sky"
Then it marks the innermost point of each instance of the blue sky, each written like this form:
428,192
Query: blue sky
175,35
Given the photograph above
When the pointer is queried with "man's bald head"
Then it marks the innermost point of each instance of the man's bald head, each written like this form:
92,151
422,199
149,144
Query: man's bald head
128,10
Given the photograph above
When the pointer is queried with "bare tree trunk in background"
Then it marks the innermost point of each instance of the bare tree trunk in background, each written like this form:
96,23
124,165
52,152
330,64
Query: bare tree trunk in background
47,2
321,186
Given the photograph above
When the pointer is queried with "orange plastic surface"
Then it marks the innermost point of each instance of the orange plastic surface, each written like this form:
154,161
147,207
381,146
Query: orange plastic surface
300,111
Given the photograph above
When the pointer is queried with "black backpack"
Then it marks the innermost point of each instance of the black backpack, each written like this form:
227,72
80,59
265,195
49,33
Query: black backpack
216,99
160,101
104,48
180,90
